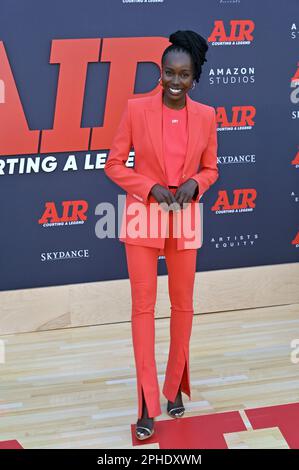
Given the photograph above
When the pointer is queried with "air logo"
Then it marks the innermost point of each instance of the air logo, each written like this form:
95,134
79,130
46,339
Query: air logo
242,198
71,212
241,116
239,30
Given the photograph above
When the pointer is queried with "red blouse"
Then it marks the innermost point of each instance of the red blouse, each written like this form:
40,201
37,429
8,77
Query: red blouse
175,136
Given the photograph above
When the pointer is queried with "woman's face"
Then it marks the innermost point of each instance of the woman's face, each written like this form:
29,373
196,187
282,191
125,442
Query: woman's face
176,77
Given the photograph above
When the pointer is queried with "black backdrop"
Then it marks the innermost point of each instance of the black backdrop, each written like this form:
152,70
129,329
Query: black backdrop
256,73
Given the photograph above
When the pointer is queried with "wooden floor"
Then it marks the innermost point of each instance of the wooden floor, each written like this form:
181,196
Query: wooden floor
76,388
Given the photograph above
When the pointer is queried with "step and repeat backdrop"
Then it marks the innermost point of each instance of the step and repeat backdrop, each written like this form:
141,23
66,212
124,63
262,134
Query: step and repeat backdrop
67,69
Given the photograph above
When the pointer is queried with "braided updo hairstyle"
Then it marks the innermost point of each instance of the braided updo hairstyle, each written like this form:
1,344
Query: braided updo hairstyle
192,43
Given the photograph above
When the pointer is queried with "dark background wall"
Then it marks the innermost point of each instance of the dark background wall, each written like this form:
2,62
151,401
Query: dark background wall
263,158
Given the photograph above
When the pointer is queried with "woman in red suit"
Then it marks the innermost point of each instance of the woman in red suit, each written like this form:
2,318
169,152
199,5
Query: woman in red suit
175,144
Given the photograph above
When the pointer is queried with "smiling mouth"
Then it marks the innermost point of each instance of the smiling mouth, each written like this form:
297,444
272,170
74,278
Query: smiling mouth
175,91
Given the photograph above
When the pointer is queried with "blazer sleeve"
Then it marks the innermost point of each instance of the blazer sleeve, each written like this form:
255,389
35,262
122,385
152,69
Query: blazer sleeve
136,184
208,173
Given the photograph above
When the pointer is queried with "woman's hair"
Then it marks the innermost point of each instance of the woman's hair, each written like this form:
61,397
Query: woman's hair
192,43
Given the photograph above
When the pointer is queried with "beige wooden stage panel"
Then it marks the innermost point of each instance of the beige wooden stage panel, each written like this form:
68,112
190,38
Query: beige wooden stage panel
110,301
270,438
76,388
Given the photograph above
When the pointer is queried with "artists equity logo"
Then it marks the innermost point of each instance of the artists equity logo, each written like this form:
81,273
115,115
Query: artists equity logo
238,33
243,240
238,118
69,213
242,200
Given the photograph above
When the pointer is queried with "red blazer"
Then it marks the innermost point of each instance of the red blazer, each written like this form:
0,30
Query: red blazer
141,127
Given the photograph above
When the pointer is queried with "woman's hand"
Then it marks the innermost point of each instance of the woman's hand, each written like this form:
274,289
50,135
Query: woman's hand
185,192
163,195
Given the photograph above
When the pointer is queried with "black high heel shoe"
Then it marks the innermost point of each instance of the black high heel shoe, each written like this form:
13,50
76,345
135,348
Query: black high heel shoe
144,432
176,412
173,410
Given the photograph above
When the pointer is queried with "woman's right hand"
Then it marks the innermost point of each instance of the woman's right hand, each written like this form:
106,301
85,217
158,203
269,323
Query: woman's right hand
163,195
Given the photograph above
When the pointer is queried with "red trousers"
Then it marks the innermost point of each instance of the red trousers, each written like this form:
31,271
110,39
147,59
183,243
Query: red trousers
142,268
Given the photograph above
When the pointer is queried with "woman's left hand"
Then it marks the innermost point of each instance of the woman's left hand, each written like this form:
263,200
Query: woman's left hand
185,192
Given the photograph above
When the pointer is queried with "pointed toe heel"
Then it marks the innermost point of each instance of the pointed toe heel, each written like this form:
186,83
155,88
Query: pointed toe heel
177,412
143,432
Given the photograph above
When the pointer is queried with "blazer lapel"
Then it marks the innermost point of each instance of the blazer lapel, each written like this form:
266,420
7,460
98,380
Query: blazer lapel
154,122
